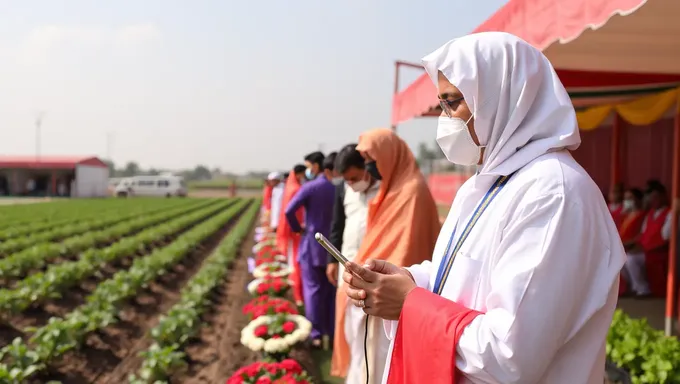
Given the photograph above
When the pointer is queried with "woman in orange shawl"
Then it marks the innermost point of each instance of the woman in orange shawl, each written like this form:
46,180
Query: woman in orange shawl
391,235
287,242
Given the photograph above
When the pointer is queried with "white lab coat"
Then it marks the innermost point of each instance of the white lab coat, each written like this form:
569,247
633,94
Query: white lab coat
542,264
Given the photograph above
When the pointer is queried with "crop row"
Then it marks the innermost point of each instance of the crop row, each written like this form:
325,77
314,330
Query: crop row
91,212
80,226
38,256
59,277
25,214
183,320
61,335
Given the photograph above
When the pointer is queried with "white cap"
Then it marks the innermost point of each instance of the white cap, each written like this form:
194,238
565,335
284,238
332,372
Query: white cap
274,176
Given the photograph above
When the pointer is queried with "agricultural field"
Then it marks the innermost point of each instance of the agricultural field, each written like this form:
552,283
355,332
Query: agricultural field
241,183
121,290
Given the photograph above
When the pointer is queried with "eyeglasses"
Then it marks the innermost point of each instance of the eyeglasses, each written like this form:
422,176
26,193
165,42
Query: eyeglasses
450,105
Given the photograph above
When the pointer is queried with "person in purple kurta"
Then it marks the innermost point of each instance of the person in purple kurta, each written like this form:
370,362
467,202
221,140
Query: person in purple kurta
316,196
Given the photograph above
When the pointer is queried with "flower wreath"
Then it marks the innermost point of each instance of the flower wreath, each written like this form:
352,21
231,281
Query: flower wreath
264,242
274,269
275,334
268,306
288,371
270,257
271,286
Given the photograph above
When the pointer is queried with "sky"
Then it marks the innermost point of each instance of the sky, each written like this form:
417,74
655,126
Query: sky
240,85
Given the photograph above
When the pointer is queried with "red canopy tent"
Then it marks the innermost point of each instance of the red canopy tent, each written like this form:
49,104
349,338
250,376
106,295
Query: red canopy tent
605,52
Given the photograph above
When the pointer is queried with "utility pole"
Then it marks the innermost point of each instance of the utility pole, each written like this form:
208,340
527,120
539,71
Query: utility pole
38,125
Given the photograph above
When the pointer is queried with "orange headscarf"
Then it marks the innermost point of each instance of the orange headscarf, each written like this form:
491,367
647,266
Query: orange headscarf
284,235
402,224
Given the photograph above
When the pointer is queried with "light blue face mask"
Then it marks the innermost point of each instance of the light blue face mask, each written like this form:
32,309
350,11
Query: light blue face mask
308,174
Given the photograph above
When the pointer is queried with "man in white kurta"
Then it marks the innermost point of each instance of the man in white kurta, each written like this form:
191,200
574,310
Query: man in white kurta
277,198
348,228
535,277
356,211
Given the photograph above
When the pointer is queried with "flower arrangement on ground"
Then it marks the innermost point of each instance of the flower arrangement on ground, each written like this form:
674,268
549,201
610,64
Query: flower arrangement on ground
265,246
270,286
275,334
270,257
268,306
286,372
274,269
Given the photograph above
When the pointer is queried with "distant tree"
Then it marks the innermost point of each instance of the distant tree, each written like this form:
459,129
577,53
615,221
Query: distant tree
131,169
153,172
112,167
201,172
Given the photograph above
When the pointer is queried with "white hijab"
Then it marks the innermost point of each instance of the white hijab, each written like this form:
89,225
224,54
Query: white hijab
521,109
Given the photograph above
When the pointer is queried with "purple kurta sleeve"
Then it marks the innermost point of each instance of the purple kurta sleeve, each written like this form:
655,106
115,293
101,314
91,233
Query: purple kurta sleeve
299,200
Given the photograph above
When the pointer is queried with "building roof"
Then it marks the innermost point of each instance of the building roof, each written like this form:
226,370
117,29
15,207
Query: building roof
50,162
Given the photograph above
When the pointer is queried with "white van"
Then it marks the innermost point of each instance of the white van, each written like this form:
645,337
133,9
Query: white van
165,185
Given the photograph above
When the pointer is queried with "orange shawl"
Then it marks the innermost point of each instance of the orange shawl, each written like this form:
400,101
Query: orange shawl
284,235
402,224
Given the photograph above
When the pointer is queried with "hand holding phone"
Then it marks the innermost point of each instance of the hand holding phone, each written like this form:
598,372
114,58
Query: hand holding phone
321,239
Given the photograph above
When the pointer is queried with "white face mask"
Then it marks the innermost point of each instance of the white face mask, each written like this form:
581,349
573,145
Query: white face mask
628,205
456,142
360,186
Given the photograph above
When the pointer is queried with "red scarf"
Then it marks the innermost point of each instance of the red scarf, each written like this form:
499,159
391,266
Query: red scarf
427,325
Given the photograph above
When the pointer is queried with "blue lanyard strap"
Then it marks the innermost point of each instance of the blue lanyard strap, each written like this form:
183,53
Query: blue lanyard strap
449,257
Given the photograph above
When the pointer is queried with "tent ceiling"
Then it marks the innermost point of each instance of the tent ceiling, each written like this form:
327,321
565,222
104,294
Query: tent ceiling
605,51
648,41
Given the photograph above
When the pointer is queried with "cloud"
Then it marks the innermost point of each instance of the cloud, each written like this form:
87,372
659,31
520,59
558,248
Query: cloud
43,41
139,33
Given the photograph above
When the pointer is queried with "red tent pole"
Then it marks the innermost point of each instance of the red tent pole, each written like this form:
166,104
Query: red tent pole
397,66
675,206
615,159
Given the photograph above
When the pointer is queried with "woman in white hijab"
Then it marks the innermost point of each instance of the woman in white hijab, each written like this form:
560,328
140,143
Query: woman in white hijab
524,277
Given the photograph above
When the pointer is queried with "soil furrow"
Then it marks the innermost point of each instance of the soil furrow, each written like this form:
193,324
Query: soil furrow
110,355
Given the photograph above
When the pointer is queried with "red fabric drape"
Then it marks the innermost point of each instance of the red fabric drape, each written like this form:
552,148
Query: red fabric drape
285,237
267,197
427,335
656,253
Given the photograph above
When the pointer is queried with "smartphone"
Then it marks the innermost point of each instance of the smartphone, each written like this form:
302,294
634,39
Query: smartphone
321,239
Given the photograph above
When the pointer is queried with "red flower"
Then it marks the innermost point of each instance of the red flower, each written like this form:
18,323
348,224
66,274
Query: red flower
262,288
261,331
291,365
276,337
285,372
288,327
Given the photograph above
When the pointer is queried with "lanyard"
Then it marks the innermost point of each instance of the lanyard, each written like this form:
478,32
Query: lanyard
450,256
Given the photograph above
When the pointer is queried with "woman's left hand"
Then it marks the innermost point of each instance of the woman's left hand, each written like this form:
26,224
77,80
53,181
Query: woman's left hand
378,294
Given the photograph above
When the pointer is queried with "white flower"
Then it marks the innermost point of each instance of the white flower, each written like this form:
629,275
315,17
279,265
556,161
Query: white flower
262,242
262,270
279,345
252,286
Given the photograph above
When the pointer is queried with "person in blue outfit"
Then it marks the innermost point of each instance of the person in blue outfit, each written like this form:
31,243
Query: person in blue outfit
316,196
